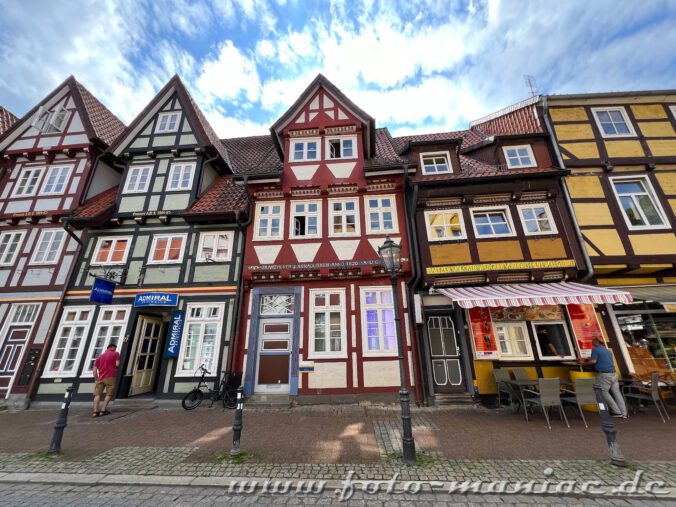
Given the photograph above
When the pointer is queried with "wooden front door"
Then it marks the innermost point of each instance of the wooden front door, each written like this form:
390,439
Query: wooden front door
147,355
446,358
10,354
274,356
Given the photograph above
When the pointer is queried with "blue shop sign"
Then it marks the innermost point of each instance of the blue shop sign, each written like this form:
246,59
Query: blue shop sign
102,291
174,334
156,299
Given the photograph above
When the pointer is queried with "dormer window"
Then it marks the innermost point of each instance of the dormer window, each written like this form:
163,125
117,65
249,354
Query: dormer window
435,163
519,156
51,121
27,183
180,176
55,182
138,179
304,150
341,147
167,122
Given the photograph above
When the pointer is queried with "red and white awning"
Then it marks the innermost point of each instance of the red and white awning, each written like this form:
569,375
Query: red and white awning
527,294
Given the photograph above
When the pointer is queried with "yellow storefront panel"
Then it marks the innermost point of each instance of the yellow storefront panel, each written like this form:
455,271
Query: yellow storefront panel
455,253
581,150
656,129
604,269
648,111
499,251
592,213
568,114
546,248
618,282
672,203
624,149
575,131
667,182
662,147
653,244
484,377
584,187
606,240
647,269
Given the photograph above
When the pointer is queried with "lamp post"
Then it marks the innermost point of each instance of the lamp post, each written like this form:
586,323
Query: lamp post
390,253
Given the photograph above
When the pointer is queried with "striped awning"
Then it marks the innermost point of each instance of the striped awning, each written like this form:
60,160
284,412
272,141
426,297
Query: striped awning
527,294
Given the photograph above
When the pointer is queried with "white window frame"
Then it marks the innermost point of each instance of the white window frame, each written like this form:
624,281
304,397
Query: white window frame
653,196
59,249
548,212
60,169
461,218
258,218
673,111
114,239
169,237
393,209
531,156
166,129
435,154
19,243
61,372
342,308
508,216
218,320
304,141
364,324
40,170
181,167
510,356
215,234
48,124
306,214
127,181
341,139
625,117
343,214
15,310
571,346
101,322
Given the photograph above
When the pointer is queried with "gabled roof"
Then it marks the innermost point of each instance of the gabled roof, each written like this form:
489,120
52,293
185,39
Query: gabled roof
519,118
221,197
466,136
253,156
95,207
99,123
206,135
7,119
322,82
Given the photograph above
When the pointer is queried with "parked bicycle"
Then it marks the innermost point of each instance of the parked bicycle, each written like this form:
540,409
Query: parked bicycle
227,390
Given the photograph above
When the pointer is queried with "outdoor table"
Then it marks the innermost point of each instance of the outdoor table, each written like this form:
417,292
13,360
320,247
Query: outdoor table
517,387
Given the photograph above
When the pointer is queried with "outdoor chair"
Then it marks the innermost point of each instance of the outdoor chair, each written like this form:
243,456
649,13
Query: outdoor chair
547,397
500,377
520,374
638,393
583,395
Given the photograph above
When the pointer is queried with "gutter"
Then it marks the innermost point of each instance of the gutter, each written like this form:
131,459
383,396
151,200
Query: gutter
566,195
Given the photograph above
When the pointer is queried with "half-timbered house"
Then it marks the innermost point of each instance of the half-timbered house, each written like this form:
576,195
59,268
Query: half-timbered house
169,238
46,159
318,317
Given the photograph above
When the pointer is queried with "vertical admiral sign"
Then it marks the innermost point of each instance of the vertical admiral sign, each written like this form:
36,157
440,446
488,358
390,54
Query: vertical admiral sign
174,334
102,291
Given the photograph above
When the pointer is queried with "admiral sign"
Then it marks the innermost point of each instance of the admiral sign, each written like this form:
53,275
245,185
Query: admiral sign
102,291
174,334
156,299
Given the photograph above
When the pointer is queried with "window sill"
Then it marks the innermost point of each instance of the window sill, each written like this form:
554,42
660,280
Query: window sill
382,233
447,240
649,228
515,358
162,263
374,355
268,239
213,261
319,357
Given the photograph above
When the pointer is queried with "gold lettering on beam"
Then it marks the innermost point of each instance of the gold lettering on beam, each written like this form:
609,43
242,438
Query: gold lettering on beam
304,133
500,266
345,129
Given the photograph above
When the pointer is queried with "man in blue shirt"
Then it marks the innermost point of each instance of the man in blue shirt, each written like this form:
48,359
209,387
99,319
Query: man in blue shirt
606,377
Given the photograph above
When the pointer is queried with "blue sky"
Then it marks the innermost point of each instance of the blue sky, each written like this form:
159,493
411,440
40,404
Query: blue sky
415,66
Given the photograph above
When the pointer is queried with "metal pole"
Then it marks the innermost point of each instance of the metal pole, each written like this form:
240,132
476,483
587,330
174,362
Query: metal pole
608,428
237,425
61,421
408,444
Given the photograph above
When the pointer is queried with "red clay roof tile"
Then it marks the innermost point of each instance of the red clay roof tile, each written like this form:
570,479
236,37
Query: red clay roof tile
96,205
222,196
7,119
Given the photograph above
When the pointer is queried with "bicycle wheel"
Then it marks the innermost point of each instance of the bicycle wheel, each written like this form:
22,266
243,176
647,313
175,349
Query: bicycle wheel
192,399
229,399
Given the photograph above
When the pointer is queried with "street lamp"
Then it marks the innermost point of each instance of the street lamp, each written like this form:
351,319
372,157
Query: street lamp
390,253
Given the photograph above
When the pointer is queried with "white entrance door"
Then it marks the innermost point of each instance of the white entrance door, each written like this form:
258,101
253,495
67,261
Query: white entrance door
148,336
274,356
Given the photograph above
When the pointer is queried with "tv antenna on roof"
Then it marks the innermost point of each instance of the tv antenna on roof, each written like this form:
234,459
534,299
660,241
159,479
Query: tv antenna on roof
532,85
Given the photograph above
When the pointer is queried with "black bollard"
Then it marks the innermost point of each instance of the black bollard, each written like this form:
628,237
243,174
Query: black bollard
237,425
61,421
608,428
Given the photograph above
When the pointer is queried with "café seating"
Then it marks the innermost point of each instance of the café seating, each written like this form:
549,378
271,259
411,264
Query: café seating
500,376
583,395
520,374
638,393
547,396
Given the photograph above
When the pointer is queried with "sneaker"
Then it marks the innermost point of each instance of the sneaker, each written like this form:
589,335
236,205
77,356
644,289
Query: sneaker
618,415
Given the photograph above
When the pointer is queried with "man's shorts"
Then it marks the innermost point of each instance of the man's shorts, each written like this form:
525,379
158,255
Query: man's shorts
108,384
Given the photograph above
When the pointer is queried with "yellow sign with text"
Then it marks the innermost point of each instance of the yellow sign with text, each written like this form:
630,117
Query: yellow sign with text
500,266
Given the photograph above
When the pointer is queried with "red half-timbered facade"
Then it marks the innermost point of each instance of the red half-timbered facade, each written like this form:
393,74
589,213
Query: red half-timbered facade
46,160
318,314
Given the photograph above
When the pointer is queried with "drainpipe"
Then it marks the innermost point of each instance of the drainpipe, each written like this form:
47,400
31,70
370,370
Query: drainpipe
566,196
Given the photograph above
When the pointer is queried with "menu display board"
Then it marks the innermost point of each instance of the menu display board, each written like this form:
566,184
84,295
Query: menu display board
585,326
485,344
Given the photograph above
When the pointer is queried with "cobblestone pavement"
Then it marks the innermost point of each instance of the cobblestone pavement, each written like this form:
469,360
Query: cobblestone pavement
38,495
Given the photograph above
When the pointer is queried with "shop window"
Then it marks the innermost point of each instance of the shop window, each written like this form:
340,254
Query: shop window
519,156
306,219
552,341
277,304
435,163
68,344
27,182
167,122
378,327
180,177
651,341
444,225
49,246
110,327
344,217
342,147
167,249
10,243
138,179
513,340
55,181
382,217
201,336
328,331
215,247
304,150
640,207
269,221
111,251
492,222
613,122
536,219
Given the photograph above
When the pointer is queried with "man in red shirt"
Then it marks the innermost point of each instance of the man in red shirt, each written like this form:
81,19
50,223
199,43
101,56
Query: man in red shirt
105,376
